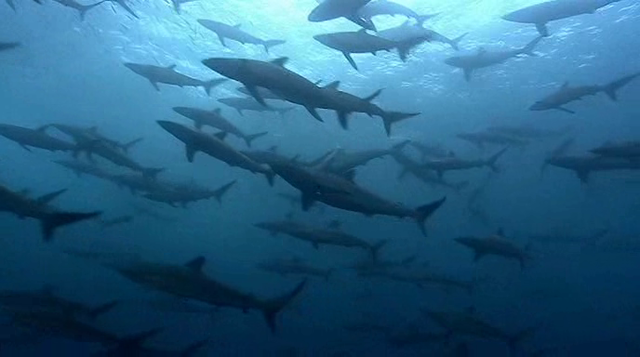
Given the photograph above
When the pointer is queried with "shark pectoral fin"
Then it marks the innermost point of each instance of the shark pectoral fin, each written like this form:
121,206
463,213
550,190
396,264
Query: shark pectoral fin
583,175
565,110
307,201
25,147
191,152
542,29
350,59
155,85
315,114
256,95
467,73
222,42
343,119
478,255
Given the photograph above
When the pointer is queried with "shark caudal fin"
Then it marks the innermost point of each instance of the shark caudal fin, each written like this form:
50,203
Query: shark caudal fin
491,162
82,10
528,49
217,194
455,43
611,89
52,221
272,43
250,138
208,85
515,341
422,213
390,118
94,313
271,308
151,173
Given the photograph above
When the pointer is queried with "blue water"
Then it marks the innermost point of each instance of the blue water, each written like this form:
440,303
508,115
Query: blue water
582,302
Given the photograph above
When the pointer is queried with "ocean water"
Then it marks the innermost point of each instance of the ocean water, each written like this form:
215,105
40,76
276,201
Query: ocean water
577,295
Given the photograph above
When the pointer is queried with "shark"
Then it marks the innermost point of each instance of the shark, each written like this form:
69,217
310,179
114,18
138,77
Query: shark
483,58
214,146
234,33
190,282
39,208
567,94
543,13
215,119
169,75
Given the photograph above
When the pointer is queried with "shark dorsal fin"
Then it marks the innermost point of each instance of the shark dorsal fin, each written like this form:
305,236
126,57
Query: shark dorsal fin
373,95
333,85
335,224
46,199
362,31
221,135
280,61
197,264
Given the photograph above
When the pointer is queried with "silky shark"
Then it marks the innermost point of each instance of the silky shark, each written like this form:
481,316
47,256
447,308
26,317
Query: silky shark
349,43
190,282
169,75
543,13
234,33
214,146
81,8
37,138
567,94
484,58
39,208
333,9
215,119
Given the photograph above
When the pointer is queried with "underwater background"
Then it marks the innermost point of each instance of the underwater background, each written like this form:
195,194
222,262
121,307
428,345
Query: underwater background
579,296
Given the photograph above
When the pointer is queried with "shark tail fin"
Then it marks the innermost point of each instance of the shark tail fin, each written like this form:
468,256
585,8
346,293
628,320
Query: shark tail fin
131,144
611,89
217,194
491,162
516,340
455,43
151,173
208,85
390,118
375,249
271,43
193,348
528,49
272,307
249,138
425,211
52,221
102,309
